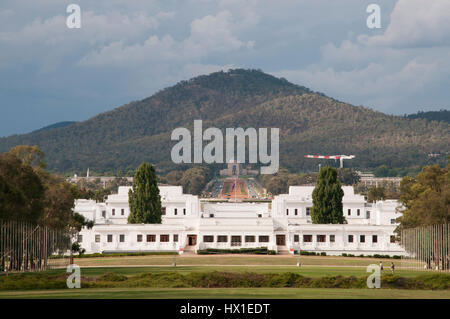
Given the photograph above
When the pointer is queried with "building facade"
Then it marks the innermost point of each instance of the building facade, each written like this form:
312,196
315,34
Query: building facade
283,225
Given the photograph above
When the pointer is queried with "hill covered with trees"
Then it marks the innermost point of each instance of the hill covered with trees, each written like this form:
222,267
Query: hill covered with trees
309,123
441,115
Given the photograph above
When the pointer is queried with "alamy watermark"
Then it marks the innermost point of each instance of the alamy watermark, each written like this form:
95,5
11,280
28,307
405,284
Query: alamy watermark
374,279
74,279
213,152
73,21
374,19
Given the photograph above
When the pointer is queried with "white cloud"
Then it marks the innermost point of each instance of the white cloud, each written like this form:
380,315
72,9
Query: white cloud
409,58
416,23
213,34
209,34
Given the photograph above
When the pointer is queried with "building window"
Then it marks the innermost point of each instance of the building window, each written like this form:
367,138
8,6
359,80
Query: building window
308,211
368,214
249,239
175,212
151,238
349,212
222,239
358,212
332,238
184,211
113,211
287,211
110,238
296,212
208,239
392,221
97,238
263,239
392,239
374,239
236,240
163,210
321,238
350,238
175,238
104,213
80,238
307,238
139,238
122,238
362,238
122,212
296,238
164,238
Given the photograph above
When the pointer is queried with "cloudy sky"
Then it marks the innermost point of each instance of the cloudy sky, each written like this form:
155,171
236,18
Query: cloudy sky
128,50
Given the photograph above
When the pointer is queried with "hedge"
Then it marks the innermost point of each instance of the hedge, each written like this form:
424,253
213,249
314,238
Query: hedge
217,279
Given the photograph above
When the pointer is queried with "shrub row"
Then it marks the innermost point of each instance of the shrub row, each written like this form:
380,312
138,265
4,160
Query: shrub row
257,251
313,253
95,255
373,256
221,280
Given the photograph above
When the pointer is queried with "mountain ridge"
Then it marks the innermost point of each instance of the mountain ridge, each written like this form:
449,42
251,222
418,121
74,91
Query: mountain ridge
309,122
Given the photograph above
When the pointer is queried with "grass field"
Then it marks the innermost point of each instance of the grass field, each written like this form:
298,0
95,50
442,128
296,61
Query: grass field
312,266
241,260
227,293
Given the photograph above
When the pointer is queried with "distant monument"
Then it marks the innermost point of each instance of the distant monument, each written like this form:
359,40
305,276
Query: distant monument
235,169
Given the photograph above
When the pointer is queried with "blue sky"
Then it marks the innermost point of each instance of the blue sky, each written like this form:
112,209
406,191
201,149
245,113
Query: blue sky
128,50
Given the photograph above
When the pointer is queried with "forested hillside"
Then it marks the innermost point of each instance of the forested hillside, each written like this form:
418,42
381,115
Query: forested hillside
442,115
309,122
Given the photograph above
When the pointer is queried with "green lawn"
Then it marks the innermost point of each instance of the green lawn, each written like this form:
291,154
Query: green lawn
309,271
228,293
261,260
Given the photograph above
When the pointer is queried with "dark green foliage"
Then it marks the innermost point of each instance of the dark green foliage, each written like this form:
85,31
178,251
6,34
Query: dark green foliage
426,198
327,198
21,190
376,193
442,115
310,123
110,276
216,279
144,199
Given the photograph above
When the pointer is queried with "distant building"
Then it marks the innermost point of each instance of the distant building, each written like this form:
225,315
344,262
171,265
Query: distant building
284,225
369,180
235,169
380,181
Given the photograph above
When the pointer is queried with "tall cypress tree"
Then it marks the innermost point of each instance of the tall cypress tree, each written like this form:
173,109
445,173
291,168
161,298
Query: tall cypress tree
144,198
327,198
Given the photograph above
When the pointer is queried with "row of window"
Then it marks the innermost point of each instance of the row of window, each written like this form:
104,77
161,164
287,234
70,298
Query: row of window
296,211
236,239
139,238
150,238
113,212
122,212
308,212
358,212
164,238
332,238
175,211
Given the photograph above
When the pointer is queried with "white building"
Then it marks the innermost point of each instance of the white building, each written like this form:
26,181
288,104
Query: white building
284,225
